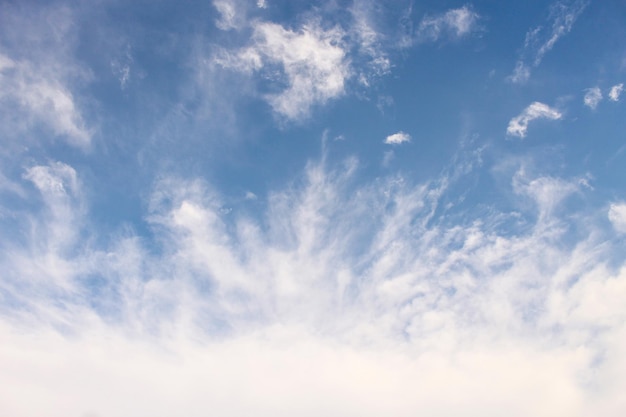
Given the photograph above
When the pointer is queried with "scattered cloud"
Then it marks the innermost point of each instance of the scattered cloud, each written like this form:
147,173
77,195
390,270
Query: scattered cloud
616,91
617,216
312,63
455,23
344,290
518,126
540,40
397,138
593,97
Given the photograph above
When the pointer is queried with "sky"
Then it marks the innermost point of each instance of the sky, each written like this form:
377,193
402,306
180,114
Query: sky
305,208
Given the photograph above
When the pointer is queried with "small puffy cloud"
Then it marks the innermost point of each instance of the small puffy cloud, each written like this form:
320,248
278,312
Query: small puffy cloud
398,138
454,23
617,216
518,125
616,91
593,97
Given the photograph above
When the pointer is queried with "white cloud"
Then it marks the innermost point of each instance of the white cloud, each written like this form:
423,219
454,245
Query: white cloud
540,40
593,97
398,138
546,192
38,76
518,126
232,14
369,42
616,91
42,98
312,61
454,23
521,73
617,216
293,316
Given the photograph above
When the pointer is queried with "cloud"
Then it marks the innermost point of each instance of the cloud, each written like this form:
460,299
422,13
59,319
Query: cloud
455,23
370,43
540,40
369,278
232,14
121,67
518,126
38,75
42,98
617,216
593,97
311,61
296,68
397,138
616,91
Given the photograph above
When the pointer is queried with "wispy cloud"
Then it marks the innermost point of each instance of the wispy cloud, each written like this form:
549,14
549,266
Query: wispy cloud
35,77
518,126
121,67
397,138
540,40
373,278
616,91
370,43
593,97
455,23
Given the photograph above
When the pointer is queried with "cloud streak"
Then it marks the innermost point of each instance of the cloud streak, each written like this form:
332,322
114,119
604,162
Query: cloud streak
540,40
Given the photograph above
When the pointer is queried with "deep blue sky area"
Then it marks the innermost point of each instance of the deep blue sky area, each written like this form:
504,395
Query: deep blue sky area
338,208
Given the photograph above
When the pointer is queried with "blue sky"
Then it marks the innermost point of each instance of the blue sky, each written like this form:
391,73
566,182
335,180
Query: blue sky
342,208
